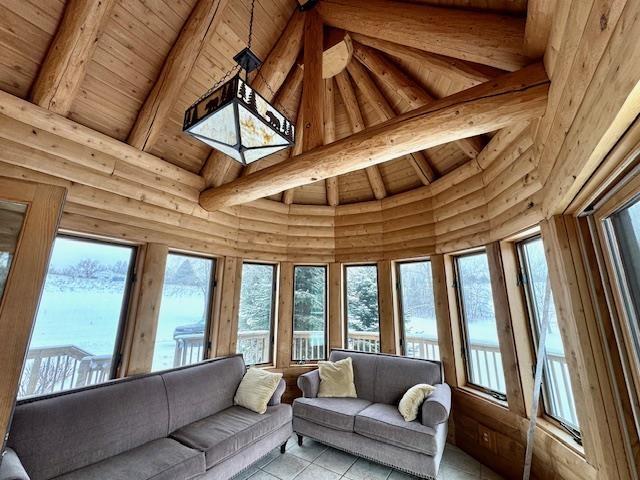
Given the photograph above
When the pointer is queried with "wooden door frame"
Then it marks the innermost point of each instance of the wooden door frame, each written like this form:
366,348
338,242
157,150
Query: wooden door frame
19,303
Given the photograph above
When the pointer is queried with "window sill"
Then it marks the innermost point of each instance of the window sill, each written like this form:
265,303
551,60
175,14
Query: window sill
469,390
551,429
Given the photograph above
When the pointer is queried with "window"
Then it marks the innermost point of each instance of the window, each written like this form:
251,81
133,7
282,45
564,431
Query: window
361,302
309,313
557,394
418,312
257,305
78,327
481,347
183,323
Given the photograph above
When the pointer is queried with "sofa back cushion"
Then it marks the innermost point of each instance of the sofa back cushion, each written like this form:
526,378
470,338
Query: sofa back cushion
384,378
57,434
199,391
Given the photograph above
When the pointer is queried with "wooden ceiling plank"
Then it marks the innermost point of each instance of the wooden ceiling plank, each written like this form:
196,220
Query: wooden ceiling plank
331,183
512,98
357,125
540,15
485,38
412,93
312,104
385,112
271,78
175,73
66,62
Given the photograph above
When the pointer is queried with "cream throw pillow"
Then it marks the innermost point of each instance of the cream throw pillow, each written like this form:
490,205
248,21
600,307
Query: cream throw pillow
336,379
412,400
256,389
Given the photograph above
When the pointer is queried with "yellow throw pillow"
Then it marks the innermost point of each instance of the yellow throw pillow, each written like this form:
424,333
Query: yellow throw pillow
336,379
412,400
256,389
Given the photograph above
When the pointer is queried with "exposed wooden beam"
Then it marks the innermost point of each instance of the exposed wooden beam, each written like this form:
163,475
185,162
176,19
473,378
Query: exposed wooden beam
512,98
406,88
176,71
271,80
381,106
331,183
538,27
465,74
486,38
66,62
357,125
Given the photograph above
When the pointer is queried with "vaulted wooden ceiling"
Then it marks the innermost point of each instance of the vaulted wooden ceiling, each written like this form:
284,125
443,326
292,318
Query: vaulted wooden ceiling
136,41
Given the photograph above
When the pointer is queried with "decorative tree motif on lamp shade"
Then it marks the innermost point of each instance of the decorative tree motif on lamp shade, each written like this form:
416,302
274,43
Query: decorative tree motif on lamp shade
239,122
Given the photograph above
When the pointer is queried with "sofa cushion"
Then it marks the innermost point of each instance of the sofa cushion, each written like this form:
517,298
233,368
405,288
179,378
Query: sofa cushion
58,434
336,413
162,459
199,391
364,371
221,435
384,423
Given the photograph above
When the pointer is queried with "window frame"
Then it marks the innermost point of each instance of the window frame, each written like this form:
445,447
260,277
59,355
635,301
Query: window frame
620,196
401,322
127,298
524,285
457,284
326,313
274,302
207,346
345,305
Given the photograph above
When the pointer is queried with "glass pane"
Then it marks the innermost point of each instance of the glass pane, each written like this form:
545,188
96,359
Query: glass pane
484,361
256,313
309,314
418,311
78,320
558,396
363,321
184,311
11,220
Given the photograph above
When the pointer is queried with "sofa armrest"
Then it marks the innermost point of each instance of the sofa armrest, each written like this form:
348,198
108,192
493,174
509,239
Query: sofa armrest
11,468
276,398
437,406
309,383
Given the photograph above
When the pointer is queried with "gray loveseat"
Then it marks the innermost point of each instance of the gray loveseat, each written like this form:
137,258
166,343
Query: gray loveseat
178,424
370,426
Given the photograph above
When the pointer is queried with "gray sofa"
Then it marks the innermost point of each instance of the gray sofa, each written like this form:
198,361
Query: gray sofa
370,426
178,424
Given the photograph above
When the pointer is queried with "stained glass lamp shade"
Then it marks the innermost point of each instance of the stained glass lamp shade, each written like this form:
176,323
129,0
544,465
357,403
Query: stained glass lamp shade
239,122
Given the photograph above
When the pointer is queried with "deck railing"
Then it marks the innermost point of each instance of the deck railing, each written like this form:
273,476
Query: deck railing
559,393
485,362
52,369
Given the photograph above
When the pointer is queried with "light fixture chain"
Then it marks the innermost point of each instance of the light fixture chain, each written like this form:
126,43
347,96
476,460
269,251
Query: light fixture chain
228,74
253,5
273,95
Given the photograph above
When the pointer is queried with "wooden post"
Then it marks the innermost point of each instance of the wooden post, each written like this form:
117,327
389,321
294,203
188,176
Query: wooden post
515,396
284,338
227,331
388,339
19,302
336,327
66,62
443,319
148,311
333,195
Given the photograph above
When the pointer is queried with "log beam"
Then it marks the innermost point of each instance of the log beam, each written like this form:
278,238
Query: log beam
538,27
176,71
273,73
413,94
357,125
381,106
465,74
331,183
485,38
66,63
509,99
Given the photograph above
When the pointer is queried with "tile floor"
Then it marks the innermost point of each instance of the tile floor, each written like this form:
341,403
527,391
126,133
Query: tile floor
315,461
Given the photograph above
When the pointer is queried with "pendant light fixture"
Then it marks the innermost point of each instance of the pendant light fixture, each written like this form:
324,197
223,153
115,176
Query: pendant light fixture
236,120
